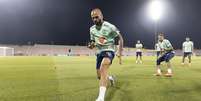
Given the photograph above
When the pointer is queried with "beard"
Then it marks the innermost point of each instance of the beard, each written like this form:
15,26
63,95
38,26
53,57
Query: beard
98,23
160,40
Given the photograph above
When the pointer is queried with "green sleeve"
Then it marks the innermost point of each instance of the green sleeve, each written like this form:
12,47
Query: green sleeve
91,36
114,31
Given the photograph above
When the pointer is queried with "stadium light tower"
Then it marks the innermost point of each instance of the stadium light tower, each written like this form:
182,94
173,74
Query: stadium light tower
155,11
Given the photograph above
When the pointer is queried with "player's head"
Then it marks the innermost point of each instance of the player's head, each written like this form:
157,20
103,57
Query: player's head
160,36
138,41
187,39
97,16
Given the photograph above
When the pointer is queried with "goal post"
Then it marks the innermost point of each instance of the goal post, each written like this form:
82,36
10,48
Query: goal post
6,51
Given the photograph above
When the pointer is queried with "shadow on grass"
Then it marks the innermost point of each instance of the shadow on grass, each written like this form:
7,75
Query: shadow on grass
119,91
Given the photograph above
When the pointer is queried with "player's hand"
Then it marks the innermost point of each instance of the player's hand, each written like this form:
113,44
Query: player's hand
91,45
162,50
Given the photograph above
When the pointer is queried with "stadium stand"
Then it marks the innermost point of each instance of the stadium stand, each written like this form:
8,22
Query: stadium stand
63,50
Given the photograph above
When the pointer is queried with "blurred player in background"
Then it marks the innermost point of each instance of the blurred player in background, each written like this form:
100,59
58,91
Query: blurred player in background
138,47
102,36
167,55
117,54
187,50
157,49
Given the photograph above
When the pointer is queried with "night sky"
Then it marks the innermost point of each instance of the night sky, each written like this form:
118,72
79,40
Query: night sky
68,21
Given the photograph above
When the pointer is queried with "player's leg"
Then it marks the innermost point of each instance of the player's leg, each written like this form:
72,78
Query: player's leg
140,57
104,78
168,57
169,70
189,58
98,64
136,57
98,74
104,71
183,58
106,62
158,63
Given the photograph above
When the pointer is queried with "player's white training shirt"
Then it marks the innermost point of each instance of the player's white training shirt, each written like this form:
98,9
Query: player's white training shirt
188,46
138,47
166,45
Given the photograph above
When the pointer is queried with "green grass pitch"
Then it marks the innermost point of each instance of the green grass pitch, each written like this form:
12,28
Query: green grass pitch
74,79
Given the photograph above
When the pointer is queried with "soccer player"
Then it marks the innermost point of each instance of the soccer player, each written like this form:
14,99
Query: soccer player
139,47
187,50
167,55
157,49
119,57
102,35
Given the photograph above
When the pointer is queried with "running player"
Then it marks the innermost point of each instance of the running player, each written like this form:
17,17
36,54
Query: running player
102,35
139,47
167,55
187,50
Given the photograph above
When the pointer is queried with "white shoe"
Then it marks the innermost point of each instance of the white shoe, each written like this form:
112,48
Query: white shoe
168,74
136,61
99,99
182,63
189,64
158,74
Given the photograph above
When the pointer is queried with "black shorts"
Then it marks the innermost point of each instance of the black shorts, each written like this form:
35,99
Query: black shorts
187,54
165,57
138,53
103,54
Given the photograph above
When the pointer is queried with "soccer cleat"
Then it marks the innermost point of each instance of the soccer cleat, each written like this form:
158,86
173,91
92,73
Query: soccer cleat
189,64
99,99
112,80
168,74
182,63
158,74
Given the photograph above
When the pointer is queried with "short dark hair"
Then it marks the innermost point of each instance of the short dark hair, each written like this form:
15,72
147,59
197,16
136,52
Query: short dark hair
161,34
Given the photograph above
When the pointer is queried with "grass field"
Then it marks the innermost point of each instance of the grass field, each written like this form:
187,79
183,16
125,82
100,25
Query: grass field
74,79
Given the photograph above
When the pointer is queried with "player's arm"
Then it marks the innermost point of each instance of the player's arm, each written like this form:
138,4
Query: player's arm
142,47
117,35
91,44
192,47
183,46
168,46
120,42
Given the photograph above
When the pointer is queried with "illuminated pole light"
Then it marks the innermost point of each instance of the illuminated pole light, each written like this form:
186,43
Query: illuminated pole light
156,9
